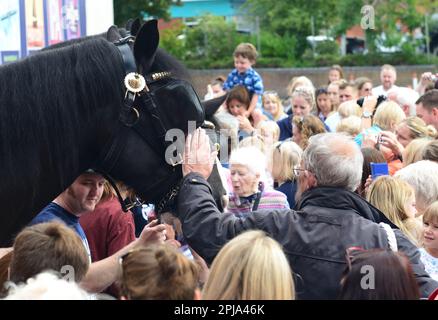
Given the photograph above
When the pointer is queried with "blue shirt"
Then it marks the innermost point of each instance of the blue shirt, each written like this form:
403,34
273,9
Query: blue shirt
375,129
251,80
289,188
285,128
55,212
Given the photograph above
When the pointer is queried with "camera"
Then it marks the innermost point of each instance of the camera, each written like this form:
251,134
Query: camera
380,139
380,99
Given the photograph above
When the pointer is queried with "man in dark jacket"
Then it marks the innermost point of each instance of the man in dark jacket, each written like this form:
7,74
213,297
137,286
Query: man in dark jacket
329,219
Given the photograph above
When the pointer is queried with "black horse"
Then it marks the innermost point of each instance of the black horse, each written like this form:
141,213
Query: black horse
65,110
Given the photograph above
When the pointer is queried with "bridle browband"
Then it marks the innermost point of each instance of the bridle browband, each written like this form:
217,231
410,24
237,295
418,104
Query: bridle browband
136,86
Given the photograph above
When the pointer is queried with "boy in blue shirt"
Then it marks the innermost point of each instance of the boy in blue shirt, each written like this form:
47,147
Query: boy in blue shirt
245,56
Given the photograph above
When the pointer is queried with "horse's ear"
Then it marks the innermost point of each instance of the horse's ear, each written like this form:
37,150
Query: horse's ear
212,105
146,44
135,26
113,34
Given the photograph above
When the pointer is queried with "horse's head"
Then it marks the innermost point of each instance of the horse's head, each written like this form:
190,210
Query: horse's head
159,110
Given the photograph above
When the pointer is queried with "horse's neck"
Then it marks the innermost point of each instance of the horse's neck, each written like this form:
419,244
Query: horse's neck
29,188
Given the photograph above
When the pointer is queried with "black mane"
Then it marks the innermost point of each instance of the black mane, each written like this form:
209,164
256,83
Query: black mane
54,91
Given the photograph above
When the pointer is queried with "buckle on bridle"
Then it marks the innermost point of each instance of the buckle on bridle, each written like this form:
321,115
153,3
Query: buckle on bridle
135,83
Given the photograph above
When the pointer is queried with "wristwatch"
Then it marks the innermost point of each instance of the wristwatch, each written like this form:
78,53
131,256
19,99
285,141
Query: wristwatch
367,114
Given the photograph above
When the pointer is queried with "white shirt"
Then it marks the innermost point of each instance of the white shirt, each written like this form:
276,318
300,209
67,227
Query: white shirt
430,263
332,121
379,91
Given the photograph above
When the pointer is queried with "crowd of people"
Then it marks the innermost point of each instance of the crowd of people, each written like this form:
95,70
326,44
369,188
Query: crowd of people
306,215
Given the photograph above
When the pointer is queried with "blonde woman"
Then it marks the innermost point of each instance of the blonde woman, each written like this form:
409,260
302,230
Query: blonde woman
270,131
387,117
409,129
350,125
300,81
286,155
303,101
273,106
414,151
252,266
346,109
396,199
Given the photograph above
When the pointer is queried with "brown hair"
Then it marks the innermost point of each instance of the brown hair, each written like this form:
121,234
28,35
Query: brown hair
158,272
361,81
344,84
338,68
47,246
393,278
308,126
240,94
369,155
5,261
429,100
246,50
109,192
430,152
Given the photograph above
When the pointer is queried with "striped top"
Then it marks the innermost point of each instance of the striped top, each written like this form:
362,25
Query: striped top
270,200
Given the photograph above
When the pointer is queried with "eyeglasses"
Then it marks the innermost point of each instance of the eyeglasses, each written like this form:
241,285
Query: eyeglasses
271,92
297,171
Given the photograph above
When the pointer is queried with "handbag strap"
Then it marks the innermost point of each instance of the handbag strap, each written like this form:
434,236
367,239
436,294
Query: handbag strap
257,201
261,187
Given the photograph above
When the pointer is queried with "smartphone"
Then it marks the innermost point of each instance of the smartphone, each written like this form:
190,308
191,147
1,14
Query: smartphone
379,169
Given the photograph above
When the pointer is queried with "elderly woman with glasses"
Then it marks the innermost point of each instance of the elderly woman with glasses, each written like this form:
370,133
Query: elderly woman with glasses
250,190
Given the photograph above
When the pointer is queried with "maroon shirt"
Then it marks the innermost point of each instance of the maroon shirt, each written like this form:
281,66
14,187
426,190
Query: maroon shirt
108,229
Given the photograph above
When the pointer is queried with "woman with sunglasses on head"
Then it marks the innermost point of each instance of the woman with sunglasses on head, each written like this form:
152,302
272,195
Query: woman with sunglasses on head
364,86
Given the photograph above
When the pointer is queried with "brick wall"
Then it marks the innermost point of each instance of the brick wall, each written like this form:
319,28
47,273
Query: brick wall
278,79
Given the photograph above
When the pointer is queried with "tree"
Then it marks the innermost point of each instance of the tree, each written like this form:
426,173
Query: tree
293,18
125,10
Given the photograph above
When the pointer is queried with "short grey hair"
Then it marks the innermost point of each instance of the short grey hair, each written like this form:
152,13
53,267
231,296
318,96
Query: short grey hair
423,177
406,97
335,160
250,157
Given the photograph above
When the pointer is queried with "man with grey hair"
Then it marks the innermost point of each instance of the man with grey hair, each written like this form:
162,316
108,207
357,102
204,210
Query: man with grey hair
405,98
328,219
423,177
